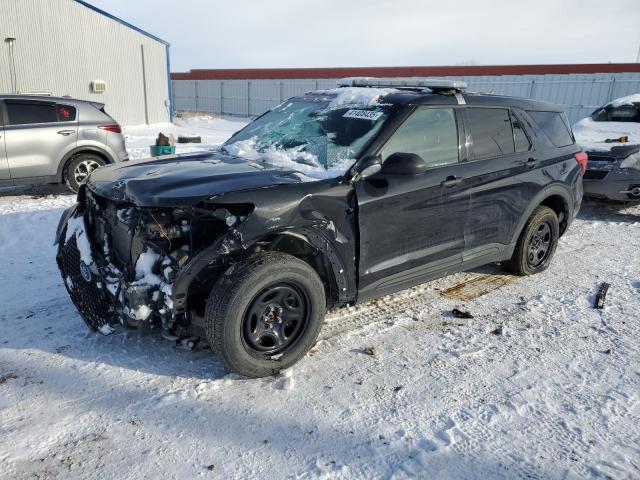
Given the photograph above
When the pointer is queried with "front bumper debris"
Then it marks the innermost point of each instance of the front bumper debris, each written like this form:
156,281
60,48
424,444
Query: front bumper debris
100,291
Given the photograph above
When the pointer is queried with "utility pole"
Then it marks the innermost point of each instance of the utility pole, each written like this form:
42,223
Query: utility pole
12,61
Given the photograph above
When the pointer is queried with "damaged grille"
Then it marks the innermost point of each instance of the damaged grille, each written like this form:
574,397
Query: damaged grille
91,301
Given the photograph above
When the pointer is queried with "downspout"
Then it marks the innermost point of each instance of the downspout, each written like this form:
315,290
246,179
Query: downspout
170,89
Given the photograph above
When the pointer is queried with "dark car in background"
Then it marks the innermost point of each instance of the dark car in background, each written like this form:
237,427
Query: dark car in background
55,140
611,137
331,198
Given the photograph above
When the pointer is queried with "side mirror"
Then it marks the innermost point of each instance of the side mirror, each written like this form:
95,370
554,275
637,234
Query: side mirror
368,166
401,163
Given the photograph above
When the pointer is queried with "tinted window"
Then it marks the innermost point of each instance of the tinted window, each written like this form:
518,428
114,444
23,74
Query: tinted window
519,135
431,133
66,113
622,113
490,131
32,112
554,126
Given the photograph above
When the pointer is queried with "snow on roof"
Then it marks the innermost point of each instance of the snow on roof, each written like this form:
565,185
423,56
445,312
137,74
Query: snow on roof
628,100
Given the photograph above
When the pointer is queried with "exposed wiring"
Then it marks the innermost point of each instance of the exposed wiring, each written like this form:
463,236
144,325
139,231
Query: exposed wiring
163,232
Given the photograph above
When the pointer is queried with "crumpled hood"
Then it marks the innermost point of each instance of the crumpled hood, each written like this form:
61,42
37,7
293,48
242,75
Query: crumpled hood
184,180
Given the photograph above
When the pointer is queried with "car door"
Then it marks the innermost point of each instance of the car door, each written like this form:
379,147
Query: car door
37,136
499,153
5,175
412,226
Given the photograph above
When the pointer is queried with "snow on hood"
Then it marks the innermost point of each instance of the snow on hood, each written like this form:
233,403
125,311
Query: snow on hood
592,135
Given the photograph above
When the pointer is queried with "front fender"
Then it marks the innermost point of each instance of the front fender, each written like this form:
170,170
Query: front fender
231,245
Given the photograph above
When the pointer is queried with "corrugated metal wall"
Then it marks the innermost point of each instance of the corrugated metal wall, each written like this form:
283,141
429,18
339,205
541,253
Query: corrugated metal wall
579,93
62,45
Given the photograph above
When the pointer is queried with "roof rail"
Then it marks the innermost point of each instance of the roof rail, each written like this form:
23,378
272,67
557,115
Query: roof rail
439,85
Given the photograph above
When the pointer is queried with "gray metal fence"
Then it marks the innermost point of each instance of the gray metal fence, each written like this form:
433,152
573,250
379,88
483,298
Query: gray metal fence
579,93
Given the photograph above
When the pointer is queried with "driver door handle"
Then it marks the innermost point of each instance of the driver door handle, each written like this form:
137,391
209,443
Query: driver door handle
532,162
451,181
65,132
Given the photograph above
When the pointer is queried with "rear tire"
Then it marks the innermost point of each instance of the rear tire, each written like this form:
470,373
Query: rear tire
265,313
537,243
79,168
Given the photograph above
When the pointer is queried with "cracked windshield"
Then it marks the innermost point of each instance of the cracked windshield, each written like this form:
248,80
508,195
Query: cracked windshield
313,136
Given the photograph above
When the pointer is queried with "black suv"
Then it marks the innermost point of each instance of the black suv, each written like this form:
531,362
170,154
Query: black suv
334,197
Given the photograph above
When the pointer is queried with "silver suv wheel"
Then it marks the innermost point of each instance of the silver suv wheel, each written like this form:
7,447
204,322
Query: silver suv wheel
83,169
80,167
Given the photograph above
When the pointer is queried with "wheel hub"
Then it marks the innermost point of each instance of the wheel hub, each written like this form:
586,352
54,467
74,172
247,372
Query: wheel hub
539,245
275,319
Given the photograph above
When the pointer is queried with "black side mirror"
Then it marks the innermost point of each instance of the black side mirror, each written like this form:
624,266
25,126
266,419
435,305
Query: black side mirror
368,166
401,163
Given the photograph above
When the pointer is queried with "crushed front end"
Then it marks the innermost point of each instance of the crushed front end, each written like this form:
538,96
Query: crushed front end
120,263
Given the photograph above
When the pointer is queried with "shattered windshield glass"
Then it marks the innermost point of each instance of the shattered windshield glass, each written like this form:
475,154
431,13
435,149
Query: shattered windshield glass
319,136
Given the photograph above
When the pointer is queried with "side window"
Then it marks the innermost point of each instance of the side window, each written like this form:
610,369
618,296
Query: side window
622,113
431,133
519,135
66,113
554,126
490,132
30,112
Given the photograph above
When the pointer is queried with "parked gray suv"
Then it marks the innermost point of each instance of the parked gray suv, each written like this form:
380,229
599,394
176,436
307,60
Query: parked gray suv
55,140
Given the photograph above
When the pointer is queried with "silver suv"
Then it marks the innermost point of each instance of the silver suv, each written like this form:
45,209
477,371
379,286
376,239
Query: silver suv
55,140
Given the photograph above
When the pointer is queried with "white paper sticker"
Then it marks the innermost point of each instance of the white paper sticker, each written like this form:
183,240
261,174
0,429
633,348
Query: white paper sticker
363,114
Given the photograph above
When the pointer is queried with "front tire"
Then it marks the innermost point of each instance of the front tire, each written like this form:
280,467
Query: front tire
265,313
537,243
79,168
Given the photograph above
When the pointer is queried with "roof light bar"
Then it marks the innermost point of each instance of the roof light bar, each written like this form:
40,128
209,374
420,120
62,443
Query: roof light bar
406,82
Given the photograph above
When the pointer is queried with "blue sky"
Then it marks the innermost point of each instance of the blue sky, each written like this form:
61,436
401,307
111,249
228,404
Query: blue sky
330,33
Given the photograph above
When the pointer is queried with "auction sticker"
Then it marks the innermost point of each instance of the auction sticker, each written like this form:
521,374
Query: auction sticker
363,114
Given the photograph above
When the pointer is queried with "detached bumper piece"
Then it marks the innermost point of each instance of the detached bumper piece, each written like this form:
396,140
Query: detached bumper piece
89,296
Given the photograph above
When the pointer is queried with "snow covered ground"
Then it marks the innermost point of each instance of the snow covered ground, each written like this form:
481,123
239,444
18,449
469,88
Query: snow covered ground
537,385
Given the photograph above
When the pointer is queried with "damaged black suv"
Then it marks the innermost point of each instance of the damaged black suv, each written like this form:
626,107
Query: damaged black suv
333,197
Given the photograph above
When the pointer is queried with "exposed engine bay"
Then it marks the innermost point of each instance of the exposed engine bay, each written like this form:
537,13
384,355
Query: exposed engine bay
131,257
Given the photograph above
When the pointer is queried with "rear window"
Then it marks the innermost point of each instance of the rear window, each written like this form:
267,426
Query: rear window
30,112
491,133
66,113
622,113
555,126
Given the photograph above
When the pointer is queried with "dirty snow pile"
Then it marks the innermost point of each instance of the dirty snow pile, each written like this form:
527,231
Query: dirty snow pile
536,385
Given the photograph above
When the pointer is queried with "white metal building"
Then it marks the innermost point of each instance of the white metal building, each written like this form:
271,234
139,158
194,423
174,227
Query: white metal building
69,47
